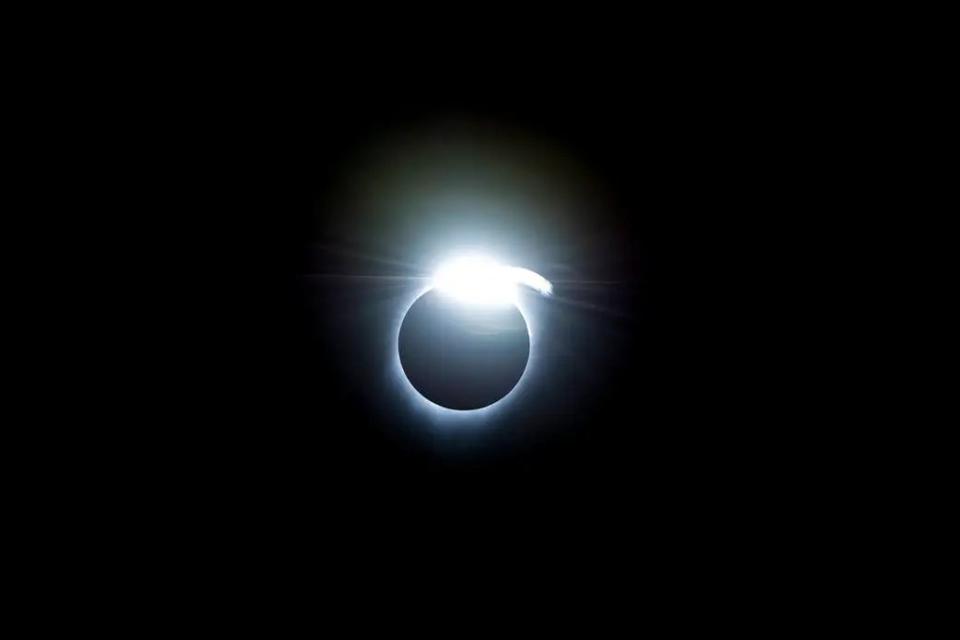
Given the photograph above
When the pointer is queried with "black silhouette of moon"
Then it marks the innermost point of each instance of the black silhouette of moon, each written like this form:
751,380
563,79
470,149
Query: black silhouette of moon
463,356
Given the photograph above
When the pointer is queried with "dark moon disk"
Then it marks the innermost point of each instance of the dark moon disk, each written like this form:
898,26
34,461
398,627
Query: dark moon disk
463,356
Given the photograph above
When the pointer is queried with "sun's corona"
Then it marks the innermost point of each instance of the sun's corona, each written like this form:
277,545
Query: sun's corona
464,344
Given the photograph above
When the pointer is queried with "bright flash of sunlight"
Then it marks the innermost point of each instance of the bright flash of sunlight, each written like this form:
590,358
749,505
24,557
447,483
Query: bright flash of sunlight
481,280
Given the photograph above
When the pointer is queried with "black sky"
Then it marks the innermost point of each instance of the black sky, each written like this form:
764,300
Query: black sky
660,391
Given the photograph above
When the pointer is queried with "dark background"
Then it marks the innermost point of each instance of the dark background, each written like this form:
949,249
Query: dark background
665,400
677,415
678,427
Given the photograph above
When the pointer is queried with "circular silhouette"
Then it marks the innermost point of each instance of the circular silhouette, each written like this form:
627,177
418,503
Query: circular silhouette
463,356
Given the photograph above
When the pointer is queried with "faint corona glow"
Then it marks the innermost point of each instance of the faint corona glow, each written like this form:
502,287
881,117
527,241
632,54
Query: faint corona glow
481,280
474,280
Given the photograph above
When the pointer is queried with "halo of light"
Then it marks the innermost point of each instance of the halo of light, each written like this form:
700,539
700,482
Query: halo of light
473,279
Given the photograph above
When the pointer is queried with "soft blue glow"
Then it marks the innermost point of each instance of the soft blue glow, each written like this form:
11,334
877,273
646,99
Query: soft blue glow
440,416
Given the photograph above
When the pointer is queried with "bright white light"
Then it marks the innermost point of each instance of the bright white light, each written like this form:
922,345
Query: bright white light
532,280
479,280
476,280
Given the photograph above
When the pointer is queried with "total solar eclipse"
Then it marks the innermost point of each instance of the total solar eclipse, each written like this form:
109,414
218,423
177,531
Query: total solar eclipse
464,344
